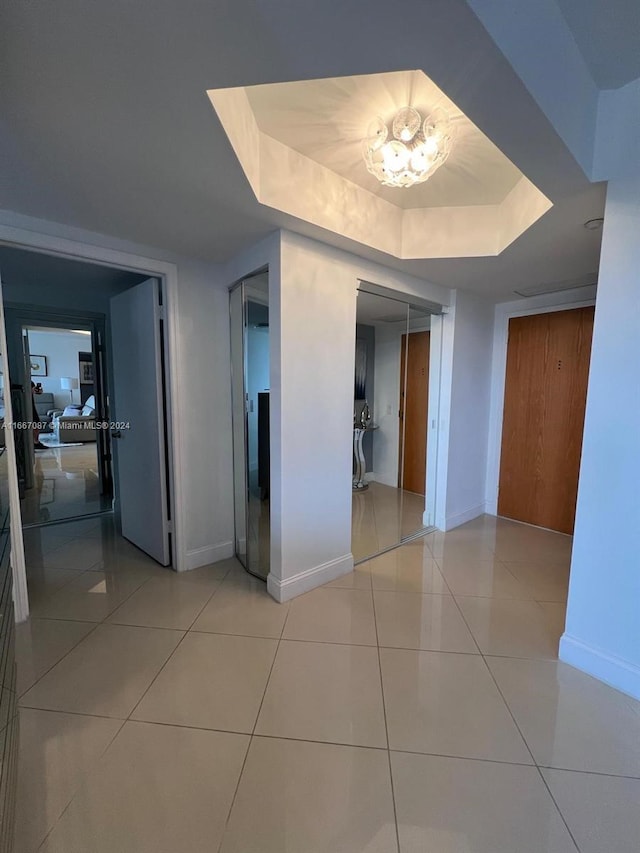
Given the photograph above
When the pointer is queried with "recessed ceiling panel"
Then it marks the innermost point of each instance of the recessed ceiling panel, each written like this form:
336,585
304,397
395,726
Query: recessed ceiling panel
326,120
300,145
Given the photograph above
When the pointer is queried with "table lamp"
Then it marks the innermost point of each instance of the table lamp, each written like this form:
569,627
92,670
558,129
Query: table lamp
69,383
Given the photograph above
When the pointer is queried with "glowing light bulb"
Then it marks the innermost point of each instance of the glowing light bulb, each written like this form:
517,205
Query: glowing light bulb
396,156
410,150
406,124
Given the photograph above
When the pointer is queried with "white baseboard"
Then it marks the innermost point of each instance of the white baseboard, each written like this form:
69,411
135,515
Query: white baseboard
459,518
209,554
615,671
384,479
283,590
427,519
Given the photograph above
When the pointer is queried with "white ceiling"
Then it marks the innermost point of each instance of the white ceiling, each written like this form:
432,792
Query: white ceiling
106,124
326,120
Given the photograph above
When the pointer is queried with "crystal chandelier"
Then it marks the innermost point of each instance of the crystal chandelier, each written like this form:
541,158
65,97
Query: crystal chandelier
412,151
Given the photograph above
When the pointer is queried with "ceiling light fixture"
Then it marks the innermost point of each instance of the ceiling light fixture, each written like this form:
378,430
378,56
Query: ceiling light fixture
413,150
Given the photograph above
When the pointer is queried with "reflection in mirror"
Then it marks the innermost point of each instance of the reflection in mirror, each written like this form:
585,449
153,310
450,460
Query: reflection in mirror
236,311
377,501
249,308
414,392
391,405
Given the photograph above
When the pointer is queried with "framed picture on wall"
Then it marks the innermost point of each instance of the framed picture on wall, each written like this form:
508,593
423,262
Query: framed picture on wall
86,373
38,365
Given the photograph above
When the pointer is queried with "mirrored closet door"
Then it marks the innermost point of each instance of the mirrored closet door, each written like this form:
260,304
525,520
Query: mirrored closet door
395,387
249,316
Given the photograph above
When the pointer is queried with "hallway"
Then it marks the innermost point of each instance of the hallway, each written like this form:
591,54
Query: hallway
415,702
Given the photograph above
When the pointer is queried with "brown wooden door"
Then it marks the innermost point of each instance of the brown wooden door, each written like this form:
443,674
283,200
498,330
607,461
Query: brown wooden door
545,396
414,410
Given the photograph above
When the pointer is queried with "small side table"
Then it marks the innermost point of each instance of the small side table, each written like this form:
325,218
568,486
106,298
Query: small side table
359,483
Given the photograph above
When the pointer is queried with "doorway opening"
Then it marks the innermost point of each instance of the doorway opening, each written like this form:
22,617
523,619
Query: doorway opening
70,475
396,385
107,436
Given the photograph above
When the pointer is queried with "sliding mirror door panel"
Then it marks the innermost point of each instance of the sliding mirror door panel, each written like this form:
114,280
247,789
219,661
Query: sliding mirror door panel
381,323
236,311
249,303
256,293
394,391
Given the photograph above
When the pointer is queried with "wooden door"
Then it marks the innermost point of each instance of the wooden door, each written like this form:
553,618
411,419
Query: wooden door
545,396
414,410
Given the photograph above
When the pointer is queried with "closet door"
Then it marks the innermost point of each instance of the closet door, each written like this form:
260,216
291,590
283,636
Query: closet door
250,347
545,397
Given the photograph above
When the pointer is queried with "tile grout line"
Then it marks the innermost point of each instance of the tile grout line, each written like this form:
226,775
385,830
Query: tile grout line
82,639
280,640
386,725
511,714
68,652
558,809
255,724
124,721
103,621
85,776
530,751
399,750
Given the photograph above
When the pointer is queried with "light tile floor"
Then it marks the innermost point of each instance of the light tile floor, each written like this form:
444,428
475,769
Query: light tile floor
381,516
414,705
66,484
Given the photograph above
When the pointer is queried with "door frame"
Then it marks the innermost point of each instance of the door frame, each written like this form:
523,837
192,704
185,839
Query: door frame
167,273
503,314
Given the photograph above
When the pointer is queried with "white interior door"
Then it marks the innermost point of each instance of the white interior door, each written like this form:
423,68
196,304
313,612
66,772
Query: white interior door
138,404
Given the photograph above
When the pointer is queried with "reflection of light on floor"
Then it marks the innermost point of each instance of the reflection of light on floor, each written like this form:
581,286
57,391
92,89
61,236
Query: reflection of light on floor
66,484
101,587
381,517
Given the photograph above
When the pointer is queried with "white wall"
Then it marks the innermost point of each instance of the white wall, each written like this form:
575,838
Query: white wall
602,634
311,494
467,343
205,412
387,397
312,322
61,350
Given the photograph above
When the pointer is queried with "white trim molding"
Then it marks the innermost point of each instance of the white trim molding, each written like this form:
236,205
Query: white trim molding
615,671
462,517
198,557
503,313
284,590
